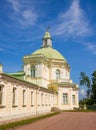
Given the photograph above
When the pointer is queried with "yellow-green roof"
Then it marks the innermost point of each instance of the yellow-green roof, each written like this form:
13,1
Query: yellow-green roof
50,53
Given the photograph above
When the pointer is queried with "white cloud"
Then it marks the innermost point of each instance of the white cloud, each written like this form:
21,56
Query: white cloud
15,4
23,15
73,22
29,16
91,47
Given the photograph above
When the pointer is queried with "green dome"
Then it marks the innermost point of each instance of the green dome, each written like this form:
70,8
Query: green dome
50,53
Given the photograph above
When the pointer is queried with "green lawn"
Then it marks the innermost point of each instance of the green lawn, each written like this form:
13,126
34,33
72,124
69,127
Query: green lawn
82,110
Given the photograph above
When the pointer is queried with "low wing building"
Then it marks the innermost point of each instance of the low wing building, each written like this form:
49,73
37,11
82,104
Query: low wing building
43,83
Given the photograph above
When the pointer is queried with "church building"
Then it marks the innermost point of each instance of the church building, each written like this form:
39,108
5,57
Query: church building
43,83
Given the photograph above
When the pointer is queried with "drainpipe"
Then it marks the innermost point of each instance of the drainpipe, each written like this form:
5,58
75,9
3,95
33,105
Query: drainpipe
36,102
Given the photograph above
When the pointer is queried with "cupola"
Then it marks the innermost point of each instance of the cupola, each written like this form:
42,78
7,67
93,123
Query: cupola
47,40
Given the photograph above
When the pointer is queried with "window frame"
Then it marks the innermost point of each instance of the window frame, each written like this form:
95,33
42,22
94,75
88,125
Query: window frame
32,98
24,98
1,95
42,99
14,97
65,98
73,99
57,74
33,71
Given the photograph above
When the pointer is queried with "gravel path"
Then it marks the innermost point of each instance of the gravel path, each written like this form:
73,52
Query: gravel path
65,121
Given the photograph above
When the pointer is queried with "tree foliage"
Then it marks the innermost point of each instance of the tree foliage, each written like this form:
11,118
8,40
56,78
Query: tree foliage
85,81
94,86
90,84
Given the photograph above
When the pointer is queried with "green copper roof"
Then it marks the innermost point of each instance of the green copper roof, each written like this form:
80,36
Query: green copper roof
47,35
50,53
19,75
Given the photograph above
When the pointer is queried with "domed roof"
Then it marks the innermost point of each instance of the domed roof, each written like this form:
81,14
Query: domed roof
47,50
50,53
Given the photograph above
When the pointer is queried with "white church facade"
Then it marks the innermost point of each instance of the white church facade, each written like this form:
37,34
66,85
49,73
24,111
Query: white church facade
44,83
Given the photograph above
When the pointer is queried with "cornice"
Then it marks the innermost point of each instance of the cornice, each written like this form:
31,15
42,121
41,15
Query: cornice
16,81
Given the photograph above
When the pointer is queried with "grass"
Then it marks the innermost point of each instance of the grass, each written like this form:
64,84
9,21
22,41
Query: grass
26,121
82,110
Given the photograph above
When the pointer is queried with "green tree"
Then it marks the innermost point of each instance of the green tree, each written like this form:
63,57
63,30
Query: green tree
94,86
85,81
90,84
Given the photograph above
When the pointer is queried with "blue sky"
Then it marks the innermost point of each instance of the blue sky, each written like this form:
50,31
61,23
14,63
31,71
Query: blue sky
72,26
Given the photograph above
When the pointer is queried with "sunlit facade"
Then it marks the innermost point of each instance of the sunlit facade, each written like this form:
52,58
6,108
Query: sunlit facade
27,92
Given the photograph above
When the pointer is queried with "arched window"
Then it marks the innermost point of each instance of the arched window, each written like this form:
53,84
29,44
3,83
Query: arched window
33,72
57,74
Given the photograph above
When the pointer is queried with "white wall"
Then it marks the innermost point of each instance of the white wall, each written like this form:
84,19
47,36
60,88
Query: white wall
9,111
70,92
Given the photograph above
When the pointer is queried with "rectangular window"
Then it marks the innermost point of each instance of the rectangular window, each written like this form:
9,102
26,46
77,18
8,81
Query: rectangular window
31,98
46,99
49,100
73,99
33,72
24,97
1,95
57,74
65,98
14,96
42,99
